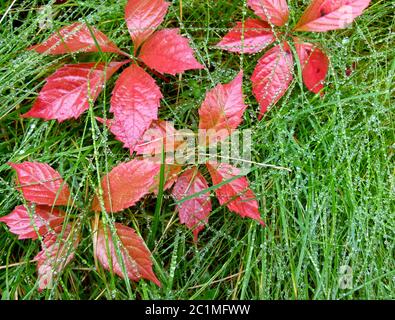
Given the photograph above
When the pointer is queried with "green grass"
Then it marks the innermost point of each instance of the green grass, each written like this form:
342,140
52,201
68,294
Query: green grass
336,207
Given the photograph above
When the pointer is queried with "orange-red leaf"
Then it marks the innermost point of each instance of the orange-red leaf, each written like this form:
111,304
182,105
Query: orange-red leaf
68,91
143,17
160,132
135,102
272,76
135,257
193,212
253,37
41,184
236,194
126,184
171,176
57,251
76,38
325,15
30,222
314,64
168,52
222,110
273,11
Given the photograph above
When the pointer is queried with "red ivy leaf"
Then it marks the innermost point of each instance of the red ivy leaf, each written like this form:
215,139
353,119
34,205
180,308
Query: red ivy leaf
193,212
57,251
75,38
252,38
126,184
136,258
28,223
272,76
274,11
314,65
236,194
68,91
168,52
325,15
160,132
222,110
171,176
143,17
41,184
135,102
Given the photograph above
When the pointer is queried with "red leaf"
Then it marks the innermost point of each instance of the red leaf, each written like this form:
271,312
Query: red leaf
68,91
236,194
28,223
126,184
193,212
222,110
325,15
274,11
171,176
168,52
143,17
31,222
41,184
135,256
314,65
160,132
57,251
252,38
135,102
272,76
75,38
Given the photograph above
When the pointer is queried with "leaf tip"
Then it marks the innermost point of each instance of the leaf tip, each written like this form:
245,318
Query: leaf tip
195,235
32,48
155,280
12,164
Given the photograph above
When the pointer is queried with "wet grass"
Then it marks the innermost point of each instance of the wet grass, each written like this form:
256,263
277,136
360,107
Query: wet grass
333,212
